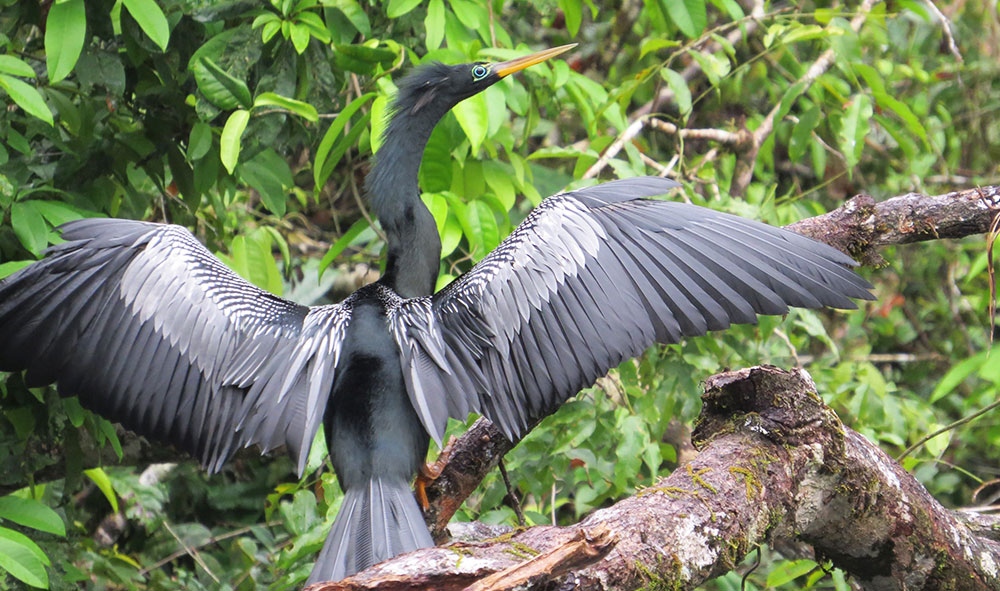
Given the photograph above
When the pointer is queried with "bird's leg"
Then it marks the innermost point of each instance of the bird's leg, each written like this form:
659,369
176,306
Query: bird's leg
428,473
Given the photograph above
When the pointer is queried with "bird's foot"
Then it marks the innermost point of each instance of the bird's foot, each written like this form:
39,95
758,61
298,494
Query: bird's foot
428,473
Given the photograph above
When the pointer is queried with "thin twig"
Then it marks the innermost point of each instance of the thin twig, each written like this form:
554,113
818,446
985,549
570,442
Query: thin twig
991,238
493,31
364,210
612,151
735,138
946,25
515,503
946,428
745,164
190,551
208,542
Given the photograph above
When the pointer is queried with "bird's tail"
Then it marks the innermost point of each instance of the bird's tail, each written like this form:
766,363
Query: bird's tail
375,523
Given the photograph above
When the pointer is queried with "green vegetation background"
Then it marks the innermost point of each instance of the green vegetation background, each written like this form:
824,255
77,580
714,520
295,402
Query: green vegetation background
253,124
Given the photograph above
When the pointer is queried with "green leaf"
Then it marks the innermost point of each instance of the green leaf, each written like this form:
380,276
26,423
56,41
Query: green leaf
27,97
469,13
573,11
100,478
321,168
854,127
802,133
789,570
653,45
690,16
730,7
270,175
498,178
11,267
434,24
398,8
31,513
19,557
200,141
108,431
677,83
957,374
300,37
378,121
792,93
232,133
16,66
715,68
270,29
233,50
29,226
451,235
65,32
316,27
354,13
300,108
151,20
236,88
364,53
481,229
472,116
73,411
798,33
345,142
885,100
342,243
937,445
250,256
58,213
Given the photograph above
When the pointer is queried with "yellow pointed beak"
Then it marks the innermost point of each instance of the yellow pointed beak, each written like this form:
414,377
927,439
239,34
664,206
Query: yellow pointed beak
508,67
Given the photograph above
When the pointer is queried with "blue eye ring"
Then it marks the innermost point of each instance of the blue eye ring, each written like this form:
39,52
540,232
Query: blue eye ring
479,71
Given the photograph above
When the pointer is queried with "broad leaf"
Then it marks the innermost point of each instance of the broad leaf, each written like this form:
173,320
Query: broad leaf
27,97
100,478
321,168
236,88
151,20
29,226
434,24
19,557
65,32
472,116
398,8
31,513
302,109
232,134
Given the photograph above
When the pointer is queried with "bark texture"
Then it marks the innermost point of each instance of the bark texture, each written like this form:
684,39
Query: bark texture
861,225
775,463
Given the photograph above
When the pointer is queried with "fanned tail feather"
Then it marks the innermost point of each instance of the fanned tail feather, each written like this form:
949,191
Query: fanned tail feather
376,522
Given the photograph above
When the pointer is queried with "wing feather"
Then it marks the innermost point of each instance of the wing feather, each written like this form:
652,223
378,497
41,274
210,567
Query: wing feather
149,329
591,278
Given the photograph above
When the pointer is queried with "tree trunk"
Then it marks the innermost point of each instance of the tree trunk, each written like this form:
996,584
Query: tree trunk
775,464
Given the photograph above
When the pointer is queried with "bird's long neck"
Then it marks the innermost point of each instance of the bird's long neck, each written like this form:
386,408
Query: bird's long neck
413,244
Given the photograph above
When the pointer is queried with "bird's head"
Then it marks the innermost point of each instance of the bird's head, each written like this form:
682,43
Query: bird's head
433,89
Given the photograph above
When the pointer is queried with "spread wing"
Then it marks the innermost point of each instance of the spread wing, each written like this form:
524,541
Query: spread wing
589,279
151,330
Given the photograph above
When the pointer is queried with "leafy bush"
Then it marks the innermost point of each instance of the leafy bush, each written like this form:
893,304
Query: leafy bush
252,124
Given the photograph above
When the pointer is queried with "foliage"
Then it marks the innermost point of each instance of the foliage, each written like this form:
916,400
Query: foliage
252,124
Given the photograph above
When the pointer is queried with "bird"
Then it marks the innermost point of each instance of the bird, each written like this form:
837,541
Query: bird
149,329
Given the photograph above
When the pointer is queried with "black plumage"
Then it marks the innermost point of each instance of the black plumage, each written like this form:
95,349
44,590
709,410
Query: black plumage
149,329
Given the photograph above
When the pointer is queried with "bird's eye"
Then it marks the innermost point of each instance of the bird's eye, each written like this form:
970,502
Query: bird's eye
479,71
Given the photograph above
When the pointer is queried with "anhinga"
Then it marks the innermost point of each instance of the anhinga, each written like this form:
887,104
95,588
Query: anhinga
149,329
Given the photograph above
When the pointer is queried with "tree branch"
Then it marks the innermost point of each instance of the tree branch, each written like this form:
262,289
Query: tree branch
748,158
861,225
776,463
